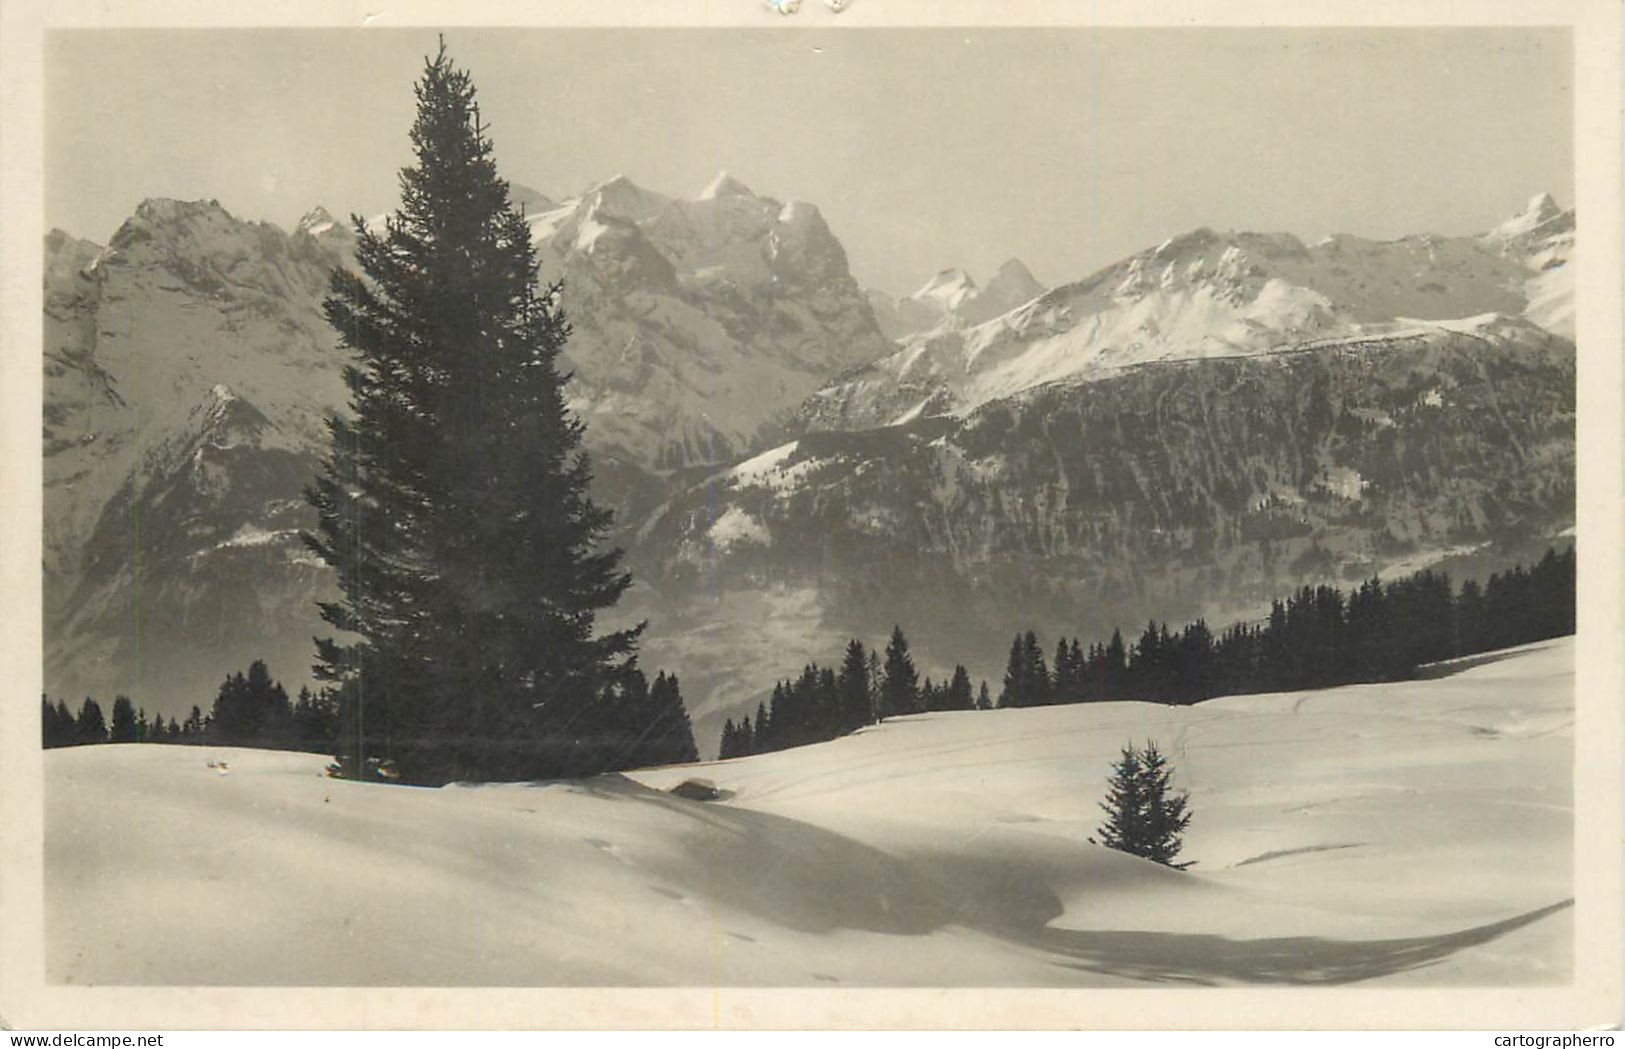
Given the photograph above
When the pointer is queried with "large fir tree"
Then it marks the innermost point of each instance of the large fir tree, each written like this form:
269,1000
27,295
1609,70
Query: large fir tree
454,503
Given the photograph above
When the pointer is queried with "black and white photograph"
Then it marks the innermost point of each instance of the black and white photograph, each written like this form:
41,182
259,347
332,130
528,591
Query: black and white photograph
799,502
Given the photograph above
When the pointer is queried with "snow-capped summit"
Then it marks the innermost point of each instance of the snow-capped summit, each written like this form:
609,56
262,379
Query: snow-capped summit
1541,238
315,222
948,289
625,199
725,185
1541,208
953,299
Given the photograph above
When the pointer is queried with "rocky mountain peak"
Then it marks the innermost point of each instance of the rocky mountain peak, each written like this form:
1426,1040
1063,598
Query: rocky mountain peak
725,185
531,200
1013,285
622,198
316,221
1540,209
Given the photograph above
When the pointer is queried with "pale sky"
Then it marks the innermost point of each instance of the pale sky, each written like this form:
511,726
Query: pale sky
924,148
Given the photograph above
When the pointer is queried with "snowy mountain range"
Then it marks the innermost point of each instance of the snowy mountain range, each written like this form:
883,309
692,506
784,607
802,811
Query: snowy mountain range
1209,295
1182,432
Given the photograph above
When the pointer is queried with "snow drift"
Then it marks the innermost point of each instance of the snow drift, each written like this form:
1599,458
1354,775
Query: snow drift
1407,833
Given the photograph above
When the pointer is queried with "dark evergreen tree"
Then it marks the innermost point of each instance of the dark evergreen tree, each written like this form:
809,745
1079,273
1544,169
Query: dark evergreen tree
1113,680
1026,678
764,727
671,734
900,691
777,718
90,726
958,695
854,706
454,503
1195,671
1068,679
58,729
1039,685
983,700
192,729
1145,816
1014,692
123,728
729,747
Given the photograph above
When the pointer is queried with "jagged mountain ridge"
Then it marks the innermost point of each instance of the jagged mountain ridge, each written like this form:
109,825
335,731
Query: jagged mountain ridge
1207,294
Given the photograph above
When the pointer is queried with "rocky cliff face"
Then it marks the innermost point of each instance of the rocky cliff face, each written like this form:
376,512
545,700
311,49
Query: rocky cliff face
187,373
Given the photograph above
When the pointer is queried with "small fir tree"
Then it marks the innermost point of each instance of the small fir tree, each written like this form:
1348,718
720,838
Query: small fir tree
1145,816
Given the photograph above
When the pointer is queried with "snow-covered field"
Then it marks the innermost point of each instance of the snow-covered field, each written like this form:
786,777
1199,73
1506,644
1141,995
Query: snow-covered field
1416,833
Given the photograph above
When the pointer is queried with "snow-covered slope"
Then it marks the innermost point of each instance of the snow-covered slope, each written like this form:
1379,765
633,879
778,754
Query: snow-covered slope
1208,294
1414,833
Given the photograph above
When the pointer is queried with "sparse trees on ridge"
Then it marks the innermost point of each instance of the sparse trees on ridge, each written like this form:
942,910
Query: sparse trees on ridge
1314,638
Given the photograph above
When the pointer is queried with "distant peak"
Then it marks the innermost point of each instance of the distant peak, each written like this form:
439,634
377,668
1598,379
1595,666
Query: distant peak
221,393
725,185
1014,267
1541,205
953,277
166,209
529,199
315,221
1540,208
